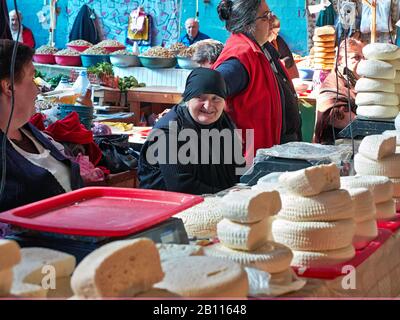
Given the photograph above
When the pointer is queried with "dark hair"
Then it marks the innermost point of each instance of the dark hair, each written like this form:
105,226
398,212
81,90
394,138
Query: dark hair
207,51
239,15
24,55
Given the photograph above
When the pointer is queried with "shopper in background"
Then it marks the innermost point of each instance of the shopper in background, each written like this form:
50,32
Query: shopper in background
193,33
26,35
256,98
35,169
207,52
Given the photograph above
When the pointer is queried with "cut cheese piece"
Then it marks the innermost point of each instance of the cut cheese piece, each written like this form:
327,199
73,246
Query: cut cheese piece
246,237
376,69
204,277
377,146
312,181
311,259
272,257
325,30
63,289
6,279
201,220
375,85
386,210
378,112
393,133
118,269
389,166
396,187
381,187
322,207
172,251
283,278
314,236
381,51
365,232
28,274
250,206
9,254
363,204
377,98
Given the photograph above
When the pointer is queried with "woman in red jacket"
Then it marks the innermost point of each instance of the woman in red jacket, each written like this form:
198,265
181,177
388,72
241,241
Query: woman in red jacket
260,97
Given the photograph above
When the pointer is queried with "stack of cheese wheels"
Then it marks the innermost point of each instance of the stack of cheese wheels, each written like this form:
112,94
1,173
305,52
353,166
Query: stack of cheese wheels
243,234
201,221
396,185
9,256
324,48
316,219
376,91
377,157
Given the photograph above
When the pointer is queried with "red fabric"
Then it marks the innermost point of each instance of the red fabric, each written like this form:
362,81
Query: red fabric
259,106
332,272
27,37
38,121
70,129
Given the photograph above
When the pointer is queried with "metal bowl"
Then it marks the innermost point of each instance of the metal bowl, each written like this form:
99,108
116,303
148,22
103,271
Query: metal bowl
124,61
187,63
156,62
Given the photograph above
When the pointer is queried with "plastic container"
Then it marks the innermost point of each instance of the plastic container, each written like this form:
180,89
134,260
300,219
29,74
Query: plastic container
124,61
63,84
85,113
44,58
90,60
85,100
187,63
73,61
157,63
81,83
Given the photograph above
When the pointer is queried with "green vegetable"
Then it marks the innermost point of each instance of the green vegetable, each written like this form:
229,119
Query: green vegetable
101,69
126,83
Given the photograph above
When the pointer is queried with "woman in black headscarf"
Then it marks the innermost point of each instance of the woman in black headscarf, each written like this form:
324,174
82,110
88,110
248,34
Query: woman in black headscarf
194,148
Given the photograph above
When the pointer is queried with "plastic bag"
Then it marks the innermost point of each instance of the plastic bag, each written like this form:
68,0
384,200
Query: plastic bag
383,19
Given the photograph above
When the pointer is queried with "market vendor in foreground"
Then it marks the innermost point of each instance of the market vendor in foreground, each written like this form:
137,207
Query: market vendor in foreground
35,169
179,155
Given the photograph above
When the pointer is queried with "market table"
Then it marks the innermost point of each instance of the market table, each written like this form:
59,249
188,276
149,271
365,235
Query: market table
377,276
163,95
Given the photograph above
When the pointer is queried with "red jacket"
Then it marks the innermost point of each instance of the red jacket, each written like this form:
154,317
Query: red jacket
258,107
27,37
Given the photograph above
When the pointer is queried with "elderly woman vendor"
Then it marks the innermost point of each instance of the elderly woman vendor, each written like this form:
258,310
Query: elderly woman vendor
194,148
35,169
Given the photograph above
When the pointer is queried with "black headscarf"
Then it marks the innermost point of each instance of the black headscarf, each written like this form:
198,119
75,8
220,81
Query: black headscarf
204,81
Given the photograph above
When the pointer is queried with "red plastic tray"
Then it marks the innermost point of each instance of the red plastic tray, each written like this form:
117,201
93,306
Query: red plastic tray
332,272
100,211
392,225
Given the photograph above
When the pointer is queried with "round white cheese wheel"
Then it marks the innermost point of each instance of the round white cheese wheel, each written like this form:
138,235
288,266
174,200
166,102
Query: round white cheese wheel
377,98
378,112
375,85
365,232
314,236
376,69
396,187
393,133
381,51
394,63
363,204
322,207
311,259
386,210
388,166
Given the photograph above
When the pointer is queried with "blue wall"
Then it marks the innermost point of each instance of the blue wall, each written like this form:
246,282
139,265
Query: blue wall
290,12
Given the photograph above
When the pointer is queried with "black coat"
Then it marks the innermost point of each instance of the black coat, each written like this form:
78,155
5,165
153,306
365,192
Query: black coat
5,32
188,178
84,27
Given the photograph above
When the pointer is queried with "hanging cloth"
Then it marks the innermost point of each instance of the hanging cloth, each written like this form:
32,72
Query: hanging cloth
326,17
139,28
85,27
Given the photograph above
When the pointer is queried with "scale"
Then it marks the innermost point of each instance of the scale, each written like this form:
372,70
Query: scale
362,127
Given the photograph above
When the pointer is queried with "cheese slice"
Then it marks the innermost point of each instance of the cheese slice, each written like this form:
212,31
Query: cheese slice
380,186
250,206
314,236
312,181
118,269
386,210
381,51
322,207
377,146
388,166
365,232
242,236
376,69
272,257
201,220
204,277
6,279
375,85
311,259
377,98
393,133
363,204
378,112
172,251
30,272
9,254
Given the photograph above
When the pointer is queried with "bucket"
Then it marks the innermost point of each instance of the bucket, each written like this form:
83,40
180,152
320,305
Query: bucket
85,113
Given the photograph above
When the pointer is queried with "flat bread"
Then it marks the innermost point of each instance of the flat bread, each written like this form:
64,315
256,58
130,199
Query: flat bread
325,30
327,38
